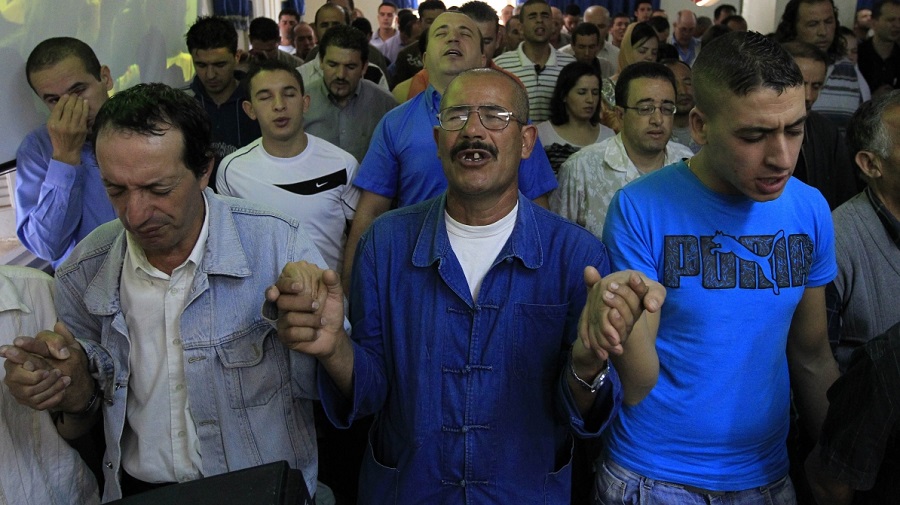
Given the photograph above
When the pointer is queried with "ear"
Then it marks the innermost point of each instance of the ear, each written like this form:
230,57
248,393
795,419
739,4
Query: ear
203,180
869,164
529,138
248,109
106,78
699,125
305,103
620,114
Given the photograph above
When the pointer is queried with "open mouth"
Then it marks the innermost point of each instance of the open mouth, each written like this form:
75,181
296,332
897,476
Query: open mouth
453,52
281,122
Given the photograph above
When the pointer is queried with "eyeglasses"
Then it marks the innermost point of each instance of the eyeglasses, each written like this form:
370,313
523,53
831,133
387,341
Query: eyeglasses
492,117
665,109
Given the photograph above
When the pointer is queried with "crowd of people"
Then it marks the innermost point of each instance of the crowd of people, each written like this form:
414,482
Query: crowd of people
462,256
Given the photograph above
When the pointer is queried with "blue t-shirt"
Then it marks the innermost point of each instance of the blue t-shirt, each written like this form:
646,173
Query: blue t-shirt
718,416
402,159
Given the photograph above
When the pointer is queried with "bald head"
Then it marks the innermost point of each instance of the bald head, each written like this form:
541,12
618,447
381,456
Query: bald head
598,16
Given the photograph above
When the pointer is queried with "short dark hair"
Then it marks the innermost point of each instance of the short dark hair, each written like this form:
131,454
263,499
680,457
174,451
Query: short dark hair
363,25
406,20
619,15
724,7
638,70
344,37
54,50
659,23
585,30
734,17
431,5
480,12
567,79
387,4
573,10
211,32
263,29
714,32
152,110
289,11
272,65
876,9
639,2
520,96
787,27
799,49
763,64
866,130
666,51
529,3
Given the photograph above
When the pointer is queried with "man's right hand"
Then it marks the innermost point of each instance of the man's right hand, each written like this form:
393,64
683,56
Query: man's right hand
68,128
48,371
310,305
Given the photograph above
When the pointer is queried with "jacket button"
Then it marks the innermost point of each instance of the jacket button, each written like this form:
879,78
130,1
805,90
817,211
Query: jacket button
109,465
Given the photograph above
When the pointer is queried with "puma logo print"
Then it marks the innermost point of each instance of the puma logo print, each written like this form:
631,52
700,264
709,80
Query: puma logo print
724,244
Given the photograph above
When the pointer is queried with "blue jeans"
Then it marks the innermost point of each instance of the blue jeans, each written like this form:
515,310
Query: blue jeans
615,485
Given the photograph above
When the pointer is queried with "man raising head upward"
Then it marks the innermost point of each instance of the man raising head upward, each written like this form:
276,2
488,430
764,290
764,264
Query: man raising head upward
401,162
488,314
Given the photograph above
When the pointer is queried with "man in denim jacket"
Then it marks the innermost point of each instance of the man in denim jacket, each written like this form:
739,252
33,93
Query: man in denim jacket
172,347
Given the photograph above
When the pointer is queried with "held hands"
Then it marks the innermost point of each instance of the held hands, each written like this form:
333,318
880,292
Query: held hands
614,304
310,305
40,371
68,128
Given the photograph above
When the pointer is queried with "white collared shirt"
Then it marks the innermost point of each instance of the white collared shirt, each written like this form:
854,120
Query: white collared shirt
160,442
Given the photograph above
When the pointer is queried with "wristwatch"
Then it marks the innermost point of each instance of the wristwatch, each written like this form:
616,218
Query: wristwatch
594,385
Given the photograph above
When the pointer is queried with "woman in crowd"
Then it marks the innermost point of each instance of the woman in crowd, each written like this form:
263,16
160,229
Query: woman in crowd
574,113
639,44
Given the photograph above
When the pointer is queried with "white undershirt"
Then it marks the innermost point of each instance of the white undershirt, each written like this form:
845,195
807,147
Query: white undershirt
160,442
476,247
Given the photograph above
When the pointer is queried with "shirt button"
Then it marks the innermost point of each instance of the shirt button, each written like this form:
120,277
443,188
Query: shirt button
508,260
177,341
465,429
179,387
173,291
462,483
180,434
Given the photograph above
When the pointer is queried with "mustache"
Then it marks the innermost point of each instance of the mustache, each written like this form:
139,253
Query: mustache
464,145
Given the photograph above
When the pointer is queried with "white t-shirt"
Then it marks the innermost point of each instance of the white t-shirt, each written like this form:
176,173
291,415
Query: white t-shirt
313,187
477,247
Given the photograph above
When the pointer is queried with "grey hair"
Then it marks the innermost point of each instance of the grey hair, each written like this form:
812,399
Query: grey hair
867,131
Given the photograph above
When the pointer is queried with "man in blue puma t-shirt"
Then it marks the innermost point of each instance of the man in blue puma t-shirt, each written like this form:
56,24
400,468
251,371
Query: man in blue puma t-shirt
745,251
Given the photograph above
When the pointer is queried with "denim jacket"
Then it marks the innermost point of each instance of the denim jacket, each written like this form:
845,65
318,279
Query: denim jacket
472,397
250,396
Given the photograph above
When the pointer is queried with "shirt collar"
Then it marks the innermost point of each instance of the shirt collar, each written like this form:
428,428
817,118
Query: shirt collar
137,259
890,223
433,243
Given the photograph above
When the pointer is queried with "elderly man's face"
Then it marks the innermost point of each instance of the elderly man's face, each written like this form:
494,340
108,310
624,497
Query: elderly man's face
684,29
155,196
304,40
480,162
600,18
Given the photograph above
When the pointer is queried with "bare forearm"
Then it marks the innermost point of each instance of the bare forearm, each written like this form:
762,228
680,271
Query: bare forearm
638,365
370,206
339,366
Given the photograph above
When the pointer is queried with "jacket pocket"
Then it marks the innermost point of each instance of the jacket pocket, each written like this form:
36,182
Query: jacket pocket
539,338
379,480
255,366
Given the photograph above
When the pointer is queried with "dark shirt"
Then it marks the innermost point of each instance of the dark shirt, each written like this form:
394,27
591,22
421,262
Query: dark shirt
824,162
409,62
879,72
860,435
232,128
